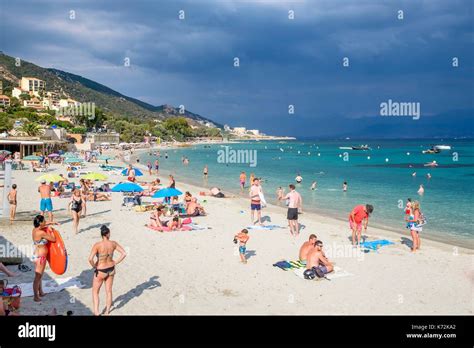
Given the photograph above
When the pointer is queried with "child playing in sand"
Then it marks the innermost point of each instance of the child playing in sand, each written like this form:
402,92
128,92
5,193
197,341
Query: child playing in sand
242,238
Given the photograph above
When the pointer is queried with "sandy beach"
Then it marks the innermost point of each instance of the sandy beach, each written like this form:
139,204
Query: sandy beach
198,272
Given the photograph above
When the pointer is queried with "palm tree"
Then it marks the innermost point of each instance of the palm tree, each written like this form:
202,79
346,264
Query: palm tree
31,129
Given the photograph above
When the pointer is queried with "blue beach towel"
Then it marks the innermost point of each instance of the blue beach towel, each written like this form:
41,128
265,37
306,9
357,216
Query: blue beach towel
265,227
375,244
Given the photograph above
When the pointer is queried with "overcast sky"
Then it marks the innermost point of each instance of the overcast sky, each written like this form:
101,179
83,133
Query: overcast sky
283,61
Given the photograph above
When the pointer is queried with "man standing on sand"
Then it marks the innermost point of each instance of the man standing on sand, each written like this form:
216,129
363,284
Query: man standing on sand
306,248
243,179
359,214
255,201
295,203
13,202
46,204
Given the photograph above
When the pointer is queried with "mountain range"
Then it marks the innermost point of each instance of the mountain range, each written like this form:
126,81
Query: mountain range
86,90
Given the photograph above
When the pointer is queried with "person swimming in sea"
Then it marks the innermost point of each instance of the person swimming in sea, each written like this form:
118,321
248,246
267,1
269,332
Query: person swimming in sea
313,186
299,178
421,190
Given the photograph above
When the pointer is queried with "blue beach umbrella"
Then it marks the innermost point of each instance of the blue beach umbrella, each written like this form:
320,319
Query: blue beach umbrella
167,192
138,172
127,187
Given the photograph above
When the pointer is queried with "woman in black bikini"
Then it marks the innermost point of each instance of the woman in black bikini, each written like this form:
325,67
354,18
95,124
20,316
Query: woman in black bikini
75,207
104,267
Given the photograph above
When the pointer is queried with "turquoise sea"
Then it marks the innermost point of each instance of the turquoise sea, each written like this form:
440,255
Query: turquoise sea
381,177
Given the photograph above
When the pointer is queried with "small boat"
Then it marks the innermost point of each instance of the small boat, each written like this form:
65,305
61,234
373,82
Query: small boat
442,147
362,147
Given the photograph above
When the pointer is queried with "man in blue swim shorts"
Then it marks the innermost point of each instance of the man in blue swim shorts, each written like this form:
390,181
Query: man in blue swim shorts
46,204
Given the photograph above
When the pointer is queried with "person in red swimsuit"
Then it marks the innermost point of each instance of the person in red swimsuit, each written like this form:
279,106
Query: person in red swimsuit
360,214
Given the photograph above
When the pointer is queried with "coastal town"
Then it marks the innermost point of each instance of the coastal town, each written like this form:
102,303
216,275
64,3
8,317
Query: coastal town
36,120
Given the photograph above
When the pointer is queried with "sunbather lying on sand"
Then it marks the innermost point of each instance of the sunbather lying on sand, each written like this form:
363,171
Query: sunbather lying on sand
174,224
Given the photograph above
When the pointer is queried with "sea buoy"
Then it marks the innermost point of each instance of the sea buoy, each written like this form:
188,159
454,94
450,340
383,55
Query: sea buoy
309,153
408,154
368,157
386,160
319,154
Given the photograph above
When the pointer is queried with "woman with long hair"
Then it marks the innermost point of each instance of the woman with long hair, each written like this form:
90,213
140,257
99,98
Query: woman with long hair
415,225
104,267
41,238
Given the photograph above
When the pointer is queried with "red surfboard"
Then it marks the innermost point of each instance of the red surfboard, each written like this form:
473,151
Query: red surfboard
57,254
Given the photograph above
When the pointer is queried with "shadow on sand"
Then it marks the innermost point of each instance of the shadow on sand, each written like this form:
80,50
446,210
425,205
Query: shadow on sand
122,300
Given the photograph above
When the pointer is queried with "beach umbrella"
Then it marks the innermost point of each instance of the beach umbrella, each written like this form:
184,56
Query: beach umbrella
69,154
73,160
50,178
127,187
138,172
6,152
95,176
32,158
167,192
104,157
53,155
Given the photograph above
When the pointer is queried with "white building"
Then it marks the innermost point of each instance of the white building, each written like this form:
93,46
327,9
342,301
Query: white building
32,85
55,134
254,131
34,103
240,130
4,100
17,91
64,103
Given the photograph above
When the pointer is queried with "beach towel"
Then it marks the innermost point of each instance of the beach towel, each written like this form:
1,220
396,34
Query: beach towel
286,265
375,244
50,286
264,227
337,273
167,229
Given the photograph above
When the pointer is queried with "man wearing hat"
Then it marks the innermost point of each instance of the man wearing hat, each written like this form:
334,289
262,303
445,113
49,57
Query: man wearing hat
46,204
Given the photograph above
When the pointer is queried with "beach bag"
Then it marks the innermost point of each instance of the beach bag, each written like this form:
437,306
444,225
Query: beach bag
309,274
422,220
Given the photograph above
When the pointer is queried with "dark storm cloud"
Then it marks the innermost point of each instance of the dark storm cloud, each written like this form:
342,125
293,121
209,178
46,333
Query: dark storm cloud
282,61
